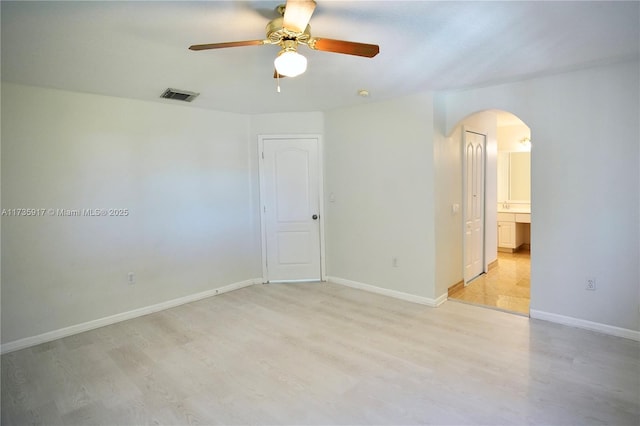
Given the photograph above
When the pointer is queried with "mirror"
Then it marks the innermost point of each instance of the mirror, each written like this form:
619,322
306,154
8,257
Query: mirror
514,176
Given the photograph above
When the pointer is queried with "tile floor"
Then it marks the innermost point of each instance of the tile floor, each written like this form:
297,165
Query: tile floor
506,286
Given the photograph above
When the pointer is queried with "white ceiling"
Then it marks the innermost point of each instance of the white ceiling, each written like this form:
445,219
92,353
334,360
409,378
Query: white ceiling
137,49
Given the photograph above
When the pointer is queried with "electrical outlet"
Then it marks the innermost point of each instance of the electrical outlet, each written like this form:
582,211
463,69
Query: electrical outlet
394,262
131,278
590,284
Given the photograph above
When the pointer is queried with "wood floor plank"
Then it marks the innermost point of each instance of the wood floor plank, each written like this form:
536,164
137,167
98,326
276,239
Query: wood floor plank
322,354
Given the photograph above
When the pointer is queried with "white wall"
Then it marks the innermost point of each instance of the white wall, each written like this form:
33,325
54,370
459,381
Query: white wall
286,123
379,167
448,191
183,174
189,179
585,185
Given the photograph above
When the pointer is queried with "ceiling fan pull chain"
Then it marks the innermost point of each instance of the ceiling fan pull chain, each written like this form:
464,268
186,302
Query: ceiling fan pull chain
278,81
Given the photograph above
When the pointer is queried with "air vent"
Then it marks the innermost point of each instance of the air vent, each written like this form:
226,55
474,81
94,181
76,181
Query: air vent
179,95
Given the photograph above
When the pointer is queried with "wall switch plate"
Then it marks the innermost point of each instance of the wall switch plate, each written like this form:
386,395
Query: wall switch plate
131,278
590,284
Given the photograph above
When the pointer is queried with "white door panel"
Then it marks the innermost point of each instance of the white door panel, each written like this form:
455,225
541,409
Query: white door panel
291,209
474,190
291,173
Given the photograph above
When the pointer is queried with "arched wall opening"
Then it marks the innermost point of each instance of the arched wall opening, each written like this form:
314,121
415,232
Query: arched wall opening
497,125
584,174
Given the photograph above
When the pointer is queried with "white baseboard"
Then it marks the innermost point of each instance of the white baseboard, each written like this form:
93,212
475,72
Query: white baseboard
391,293
588,325
101,322
441,299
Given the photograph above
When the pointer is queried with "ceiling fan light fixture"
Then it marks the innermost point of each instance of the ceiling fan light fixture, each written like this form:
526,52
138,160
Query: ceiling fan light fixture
290,30
290,63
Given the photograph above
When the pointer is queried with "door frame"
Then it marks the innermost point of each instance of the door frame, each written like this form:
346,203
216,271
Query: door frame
466,129
263,226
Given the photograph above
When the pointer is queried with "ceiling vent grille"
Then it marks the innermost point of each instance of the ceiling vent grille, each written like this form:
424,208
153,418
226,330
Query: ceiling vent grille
179,95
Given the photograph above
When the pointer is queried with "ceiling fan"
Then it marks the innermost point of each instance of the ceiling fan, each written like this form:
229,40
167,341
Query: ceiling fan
289,31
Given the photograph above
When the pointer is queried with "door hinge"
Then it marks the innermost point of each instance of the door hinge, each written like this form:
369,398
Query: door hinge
264,209
263,155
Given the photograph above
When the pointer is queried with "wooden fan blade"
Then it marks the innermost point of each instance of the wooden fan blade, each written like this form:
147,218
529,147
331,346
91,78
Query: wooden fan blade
228,44
297,14
346,47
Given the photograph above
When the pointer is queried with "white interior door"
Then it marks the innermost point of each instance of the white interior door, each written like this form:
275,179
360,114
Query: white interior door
290,184
473,206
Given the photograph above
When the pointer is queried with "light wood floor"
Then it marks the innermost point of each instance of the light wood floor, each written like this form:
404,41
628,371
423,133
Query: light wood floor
506,286
324,354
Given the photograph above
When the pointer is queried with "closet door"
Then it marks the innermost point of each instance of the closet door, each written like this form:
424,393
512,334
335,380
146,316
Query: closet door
473,207
291,209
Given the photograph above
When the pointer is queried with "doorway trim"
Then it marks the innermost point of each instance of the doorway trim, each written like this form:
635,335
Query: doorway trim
262,206
483,261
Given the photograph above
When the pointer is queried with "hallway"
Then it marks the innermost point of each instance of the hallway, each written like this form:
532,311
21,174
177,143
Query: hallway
506,286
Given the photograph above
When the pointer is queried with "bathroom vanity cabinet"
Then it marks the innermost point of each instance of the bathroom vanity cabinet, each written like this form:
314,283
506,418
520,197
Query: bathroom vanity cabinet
513,231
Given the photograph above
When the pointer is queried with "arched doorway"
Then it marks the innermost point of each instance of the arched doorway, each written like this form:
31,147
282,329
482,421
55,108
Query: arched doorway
504,281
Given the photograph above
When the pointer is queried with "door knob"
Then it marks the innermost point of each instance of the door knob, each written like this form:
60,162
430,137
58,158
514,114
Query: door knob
314,217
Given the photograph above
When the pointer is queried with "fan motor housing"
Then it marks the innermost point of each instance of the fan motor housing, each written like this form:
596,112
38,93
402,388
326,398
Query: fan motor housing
276,33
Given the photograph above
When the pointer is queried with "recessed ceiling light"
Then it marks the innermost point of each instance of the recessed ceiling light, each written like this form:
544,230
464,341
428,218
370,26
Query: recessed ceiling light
364,93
